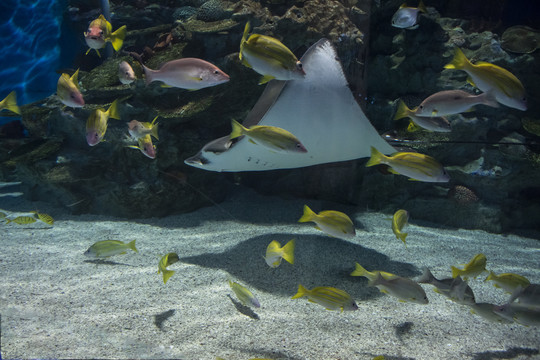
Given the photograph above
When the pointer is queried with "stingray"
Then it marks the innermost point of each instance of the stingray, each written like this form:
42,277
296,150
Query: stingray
320,110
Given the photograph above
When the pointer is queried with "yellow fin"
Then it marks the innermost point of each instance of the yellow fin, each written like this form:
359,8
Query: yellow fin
459,61
75,79
288,252
301,292
167,275
308,215
470,81
413,127
422,7
10,103
117,38
376,157
402,111
237,129
265,79
113,110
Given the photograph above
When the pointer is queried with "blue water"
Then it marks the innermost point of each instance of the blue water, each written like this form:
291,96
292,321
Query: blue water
30,33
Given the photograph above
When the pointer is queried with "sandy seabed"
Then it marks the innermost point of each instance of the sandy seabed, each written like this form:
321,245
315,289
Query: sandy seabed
57,303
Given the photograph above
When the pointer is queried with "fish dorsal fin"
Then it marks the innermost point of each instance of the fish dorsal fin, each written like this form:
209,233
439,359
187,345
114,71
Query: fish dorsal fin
75,79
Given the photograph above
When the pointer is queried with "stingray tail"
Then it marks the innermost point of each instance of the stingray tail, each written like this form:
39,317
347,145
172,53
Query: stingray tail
377,157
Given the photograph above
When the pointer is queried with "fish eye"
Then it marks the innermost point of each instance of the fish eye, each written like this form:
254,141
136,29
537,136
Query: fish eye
299,65
72,96
421,107
100,32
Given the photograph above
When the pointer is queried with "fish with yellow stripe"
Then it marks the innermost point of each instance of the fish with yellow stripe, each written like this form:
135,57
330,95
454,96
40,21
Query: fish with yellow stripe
275,253
331,222
329,297
245,296
22,220
269,57
67,90
504,85
167,260
100,32
96,125
46,218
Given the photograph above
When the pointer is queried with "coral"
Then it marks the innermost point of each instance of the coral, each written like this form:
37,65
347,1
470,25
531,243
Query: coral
462,195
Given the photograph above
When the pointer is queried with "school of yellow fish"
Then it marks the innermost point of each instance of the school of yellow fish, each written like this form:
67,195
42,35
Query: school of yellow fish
273,60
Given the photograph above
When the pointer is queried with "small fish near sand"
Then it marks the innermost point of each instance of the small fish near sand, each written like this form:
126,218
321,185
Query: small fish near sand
46,218
269,57
407,17
487,311
96,125
329,297
10,103
371,275
68,92
523,315
166,261
273,138
456,289
100,32
145,145
399,220
416,166
107,248
528,296
450,102
437,123
505,86
331,222
509,282
187,73
22,220
402,288
275,253
126,75
475,267
245,296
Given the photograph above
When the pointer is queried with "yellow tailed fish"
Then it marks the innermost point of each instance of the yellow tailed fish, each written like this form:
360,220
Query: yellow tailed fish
329,297
245,296
144,144
398,222
401,288
414,165
504,85
269,57
96,125
47,219
106,248
508,281
275,253
22,220
331,222
273,138
10,103
438,123
67,90
166,261
100,32
475,267
371,275
449,102
139,129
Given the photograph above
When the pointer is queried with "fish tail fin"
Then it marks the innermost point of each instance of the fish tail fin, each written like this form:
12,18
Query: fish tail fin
113,110
288,252
148,74
455,272
10,103
426,278
359,271
459,61
402,236
402,111
244,38
8,221
167,275
413,127
75,78
131,245
154,125
488,99
491,276
237,129
265,79
422,7
302,291
117,38
376,158
308,215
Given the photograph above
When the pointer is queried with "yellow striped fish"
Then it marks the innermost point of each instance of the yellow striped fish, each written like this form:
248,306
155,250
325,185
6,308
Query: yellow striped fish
245,296
329,297
22,220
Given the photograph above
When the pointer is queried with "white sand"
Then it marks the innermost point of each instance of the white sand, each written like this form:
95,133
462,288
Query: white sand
57,303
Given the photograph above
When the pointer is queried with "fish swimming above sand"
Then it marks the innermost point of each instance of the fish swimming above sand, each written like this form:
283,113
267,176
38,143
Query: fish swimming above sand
68,90
269,57
100,32
436,123
371,275
399,220
329,297
167,260
407,17
320,110
450,102
505,86
107,248
96,125
275,253
331,222
509,282
401,288
10,103
126,75
529,296
456,289
245,296
475,267
416,166
524,315
487,311
187,73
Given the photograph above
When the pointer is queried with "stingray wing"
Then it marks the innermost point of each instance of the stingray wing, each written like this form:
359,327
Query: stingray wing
319,110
